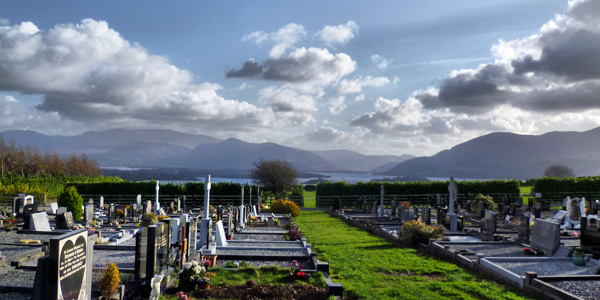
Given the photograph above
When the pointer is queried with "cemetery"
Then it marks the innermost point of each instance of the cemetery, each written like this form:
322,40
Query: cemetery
548,248
56,252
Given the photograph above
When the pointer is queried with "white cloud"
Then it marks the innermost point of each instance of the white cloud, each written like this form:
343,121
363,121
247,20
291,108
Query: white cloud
4,22
381,62
287,98
87,72
359,98
338,34
284,38
326,134
356,85
337,105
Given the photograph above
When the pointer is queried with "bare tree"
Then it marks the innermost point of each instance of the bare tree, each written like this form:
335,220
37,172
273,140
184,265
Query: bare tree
558,171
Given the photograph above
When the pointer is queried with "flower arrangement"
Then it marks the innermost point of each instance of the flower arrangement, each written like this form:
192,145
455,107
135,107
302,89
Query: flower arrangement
298,271
194,274
276,221
182,296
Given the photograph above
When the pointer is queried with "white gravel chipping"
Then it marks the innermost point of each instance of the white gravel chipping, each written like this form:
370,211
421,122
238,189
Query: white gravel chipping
14,296
550,268
586,289
123,259
17,277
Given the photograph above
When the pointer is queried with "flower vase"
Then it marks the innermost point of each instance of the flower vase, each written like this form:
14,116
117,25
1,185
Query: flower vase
579,260
204,286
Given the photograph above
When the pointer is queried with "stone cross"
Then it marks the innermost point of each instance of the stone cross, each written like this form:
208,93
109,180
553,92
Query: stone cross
381,208
250,194
156,204
205,223
453,191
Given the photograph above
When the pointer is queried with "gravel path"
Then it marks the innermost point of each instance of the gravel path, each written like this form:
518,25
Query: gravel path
13,237
299,252
501,250
14,296
265,263
13,276
9,251
266,244
586,289
553,268
123,259
258,237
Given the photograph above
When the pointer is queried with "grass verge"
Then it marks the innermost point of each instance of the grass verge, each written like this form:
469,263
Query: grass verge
310,199
370,267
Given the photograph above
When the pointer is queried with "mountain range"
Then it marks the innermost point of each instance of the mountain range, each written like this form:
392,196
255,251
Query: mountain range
172,149
493,156
507,155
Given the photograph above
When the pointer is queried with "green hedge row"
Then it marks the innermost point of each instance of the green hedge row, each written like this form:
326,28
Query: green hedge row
416,188
567,185
50,185
149,188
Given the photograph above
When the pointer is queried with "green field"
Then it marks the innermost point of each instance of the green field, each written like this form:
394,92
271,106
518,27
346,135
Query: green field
370,267
310,199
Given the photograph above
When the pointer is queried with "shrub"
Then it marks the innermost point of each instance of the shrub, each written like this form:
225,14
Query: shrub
294,235
484,199
414,232
110,280
288,226
337,203
149,219
70,199
281,206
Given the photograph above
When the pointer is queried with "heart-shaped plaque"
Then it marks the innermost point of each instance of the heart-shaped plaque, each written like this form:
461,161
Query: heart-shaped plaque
73,261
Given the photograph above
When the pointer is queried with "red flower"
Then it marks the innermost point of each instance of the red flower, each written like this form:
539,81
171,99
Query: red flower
300,274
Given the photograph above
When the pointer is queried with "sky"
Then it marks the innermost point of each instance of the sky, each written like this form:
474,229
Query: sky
376,77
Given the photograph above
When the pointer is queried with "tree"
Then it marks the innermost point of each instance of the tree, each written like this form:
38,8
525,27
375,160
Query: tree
70,199
558,171
275,176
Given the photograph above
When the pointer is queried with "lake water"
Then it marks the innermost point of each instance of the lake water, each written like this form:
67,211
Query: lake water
335,177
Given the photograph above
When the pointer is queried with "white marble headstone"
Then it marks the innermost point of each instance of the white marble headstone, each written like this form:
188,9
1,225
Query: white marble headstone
28,200
101,205
220,239
39,222
53,207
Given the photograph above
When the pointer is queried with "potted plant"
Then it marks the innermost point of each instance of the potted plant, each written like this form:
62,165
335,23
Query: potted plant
579,258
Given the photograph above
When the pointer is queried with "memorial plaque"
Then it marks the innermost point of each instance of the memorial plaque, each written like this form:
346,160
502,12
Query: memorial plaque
69,274
39,222
545,236
65,220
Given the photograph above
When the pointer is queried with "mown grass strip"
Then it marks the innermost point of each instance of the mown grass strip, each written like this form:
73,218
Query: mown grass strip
370,267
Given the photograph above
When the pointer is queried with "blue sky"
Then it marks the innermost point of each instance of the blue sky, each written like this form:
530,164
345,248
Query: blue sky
377,77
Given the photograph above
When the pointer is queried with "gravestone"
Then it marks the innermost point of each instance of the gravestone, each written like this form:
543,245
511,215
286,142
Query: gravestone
411,215
88,214
67,272
229,223
16,207
590,233
39,222
28,200
426,215
112,213
28,210
101,202
178,204
560,216
61,210
138,200
192,231
595,206
53,207
453,191
583,207
65,220
148,207
522,226
221,240
141,253
175,230
545,235
489,225
575,211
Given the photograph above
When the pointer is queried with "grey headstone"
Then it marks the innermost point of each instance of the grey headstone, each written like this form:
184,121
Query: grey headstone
220,239
65,220
53,207
560,216
545,235
148,207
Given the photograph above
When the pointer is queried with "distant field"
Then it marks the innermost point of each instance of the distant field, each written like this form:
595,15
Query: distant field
310,199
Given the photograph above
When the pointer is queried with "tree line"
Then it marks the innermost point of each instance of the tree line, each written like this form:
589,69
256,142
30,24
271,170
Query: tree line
25,161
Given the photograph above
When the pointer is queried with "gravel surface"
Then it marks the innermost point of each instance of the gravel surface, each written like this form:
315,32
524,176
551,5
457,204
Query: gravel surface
502,250
123,259
14,296
266,263
129,242
571,242
586,289
9,251
299,252
13,237
258,237
265,244
550,268
12,276
261,229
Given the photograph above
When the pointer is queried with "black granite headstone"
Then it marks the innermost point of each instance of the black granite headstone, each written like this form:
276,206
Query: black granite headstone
28,210
16,207
65,221
590,233
141,253
112,213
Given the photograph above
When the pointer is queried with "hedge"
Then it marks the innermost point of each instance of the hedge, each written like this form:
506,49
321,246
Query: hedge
149,188
416,188
548,185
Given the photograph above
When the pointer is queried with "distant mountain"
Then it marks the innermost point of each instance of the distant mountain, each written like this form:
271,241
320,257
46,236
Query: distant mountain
234,154
116,147
354,161
508,155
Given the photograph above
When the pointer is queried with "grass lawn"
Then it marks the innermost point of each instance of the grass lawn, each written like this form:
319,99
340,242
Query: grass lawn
525,190
370,267
310,199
